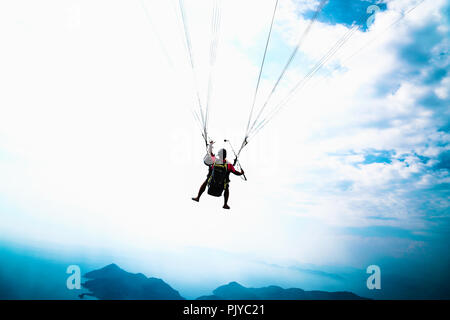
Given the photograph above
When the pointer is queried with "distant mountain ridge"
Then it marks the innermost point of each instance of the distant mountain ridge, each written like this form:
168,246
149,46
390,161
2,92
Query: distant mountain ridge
235,291
114,283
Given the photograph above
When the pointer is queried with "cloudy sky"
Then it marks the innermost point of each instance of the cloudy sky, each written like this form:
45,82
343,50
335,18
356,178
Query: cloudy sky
100,152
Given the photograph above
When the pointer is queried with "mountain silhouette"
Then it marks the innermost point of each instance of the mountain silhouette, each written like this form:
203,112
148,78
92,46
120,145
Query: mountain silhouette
113,283
235,291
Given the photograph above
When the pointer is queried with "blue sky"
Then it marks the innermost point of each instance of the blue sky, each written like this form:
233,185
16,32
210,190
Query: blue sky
353,171
349,12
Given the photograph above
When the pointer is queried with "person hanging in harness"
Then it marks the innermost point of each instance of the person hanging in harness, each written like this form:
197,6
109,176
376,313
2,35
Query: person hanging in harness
218,177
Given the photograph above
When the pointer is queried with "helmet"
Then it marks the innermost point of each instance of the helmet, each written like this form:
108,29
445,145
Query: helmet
222,154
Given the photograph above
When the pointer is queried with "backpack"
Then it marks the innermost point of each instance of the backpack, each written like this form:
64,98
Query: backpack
218,179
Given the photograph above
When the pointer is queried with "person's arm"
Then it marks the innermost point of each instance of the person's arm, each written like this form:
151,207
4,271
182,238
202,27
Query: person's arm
232,169
209,158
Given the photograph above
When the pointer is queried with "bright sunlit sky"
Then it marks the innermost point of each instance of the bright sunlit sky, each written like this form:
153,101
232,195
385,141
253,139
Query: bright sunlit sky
99,147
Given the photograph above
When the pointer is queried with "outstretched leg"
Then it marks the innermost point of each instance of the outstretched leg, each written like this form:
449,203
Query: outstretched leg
226,195
201,190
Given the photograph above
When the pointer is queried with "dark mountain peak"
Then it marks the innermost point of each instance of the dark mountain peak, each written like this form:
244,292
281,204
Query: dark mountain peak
111,270
113,283
234,284
274,288
234,290
112,266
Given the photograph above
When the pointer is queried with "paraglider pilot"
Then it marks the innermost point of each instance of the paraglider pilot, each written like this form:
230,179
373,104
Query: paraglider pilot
218,177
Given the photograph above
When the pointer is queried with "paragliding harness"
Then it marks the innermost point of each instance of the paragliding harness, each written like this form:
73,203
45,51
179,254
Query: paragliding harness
218,179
